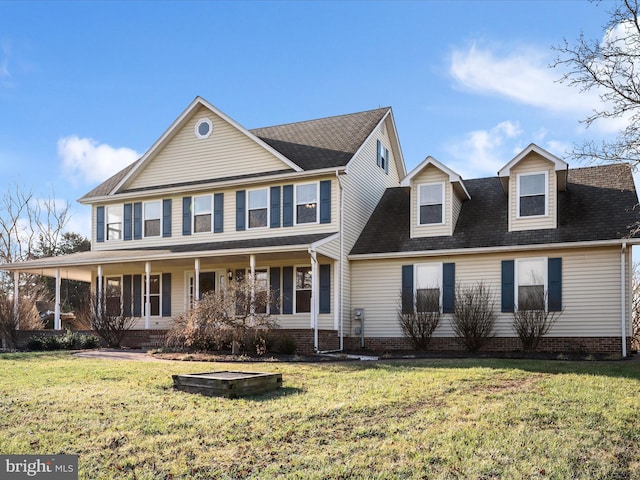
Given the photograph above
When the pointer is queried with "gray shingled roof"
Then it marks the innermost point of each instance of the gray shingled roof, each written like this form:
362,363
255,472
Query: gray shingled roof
322,143
313,144
600,203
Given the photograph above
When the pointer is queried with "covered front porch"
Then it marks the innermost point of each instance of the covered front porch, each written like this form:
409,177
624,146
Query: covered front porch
154,286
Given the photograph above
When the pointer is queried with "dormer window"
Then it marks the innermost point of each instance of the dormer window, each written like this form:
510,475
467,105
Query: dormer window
431,204
532,195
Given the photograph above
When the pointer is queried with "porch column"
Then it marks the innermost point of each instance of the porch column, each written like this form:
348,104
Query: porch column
16,284
57,324
100,290
196,281
252,282
147,297
314,297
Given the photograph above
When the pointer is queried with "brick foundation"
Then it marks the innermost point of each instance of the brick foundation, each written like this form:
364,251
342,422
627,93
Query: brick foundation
329,340
604,345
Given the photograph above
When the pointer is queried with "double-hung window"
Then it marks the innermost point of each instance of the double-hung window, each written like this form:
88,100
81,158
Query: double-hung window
113,296
258,208
261,291
114,222
532,194
532,283
303,289
431,203
307,203
202,214
428,287
152,218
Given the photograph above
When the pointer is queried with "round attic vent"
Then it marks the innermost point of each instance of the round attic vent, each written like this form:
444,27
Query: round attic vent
204,127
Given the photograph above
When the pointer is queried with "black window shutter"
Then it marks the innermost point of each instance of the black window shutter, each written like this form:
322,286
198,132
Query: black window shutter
127,221
325,288
274,288
407,289
126,295
166,294
287,206
386,161
508,286
137,221
287,290
448,287
218,212
99,224
554,266
325,201
166,217
186,215
240,210
137,295
379,154
274,197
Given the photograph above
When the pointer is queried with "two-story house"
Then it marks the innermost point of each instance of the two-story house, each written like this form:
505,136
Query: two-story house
323,214
211,201
537,225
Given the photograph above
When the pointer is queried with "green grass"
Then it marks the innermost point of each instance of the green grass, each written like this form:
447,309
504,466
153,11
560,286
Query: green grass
448,419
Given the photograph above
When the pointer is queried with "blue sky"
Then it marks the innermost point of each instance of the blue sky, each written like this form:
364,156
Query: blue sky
86,87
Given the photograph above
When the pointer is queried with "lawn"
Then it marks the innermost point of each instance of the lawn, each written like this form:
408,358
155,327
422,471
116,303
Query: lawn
466,419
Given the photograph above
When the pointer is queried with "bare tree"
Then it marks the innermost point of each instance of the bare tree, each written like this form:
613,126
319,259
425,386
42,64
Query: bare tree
610,67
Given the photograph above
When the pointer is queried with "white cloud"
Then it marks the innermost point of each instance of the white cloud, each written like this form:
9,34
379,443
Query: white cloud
522,75
483,152
86,161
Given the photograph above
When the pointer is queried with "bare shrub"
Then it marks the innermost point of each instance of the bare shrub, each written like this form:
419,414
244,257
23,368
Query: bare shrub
237,316
474,315
531,318
419,323
27,319
109,323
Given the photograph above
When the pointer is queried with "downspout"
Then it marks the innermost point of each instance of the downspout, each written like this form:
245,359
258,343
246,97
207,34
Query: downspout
341,314
314,296
623,275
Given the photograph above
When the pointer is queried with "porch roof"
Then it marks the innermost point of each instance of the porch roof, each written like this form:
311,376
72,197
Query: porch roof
78,266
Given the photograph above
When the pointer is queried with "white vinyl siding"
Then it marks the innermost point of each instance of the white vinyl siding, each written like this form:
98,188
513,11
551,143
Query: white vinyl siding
590,290
226,152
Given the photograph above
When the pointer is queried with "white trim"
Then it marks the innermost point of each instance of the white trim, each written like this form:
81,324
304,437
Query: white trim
295,203
430,184
206,120
546,194
159,294
623,302
288,177
246,213
482,250
144,219
295,289
557,162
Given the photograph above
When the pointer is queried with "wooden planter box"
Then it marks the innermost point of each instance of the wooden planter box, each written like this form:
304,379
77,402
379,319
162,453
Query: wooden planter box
228,383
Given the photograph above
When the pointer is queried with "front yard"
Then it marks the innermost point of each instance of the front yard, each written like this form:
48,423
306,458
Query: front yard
466,419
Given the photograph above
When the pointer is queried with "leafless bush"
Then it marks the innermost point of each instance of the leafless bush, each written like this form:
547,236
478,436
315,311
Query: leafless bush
237,315
27,319
418,325
531,318
109,324
474,315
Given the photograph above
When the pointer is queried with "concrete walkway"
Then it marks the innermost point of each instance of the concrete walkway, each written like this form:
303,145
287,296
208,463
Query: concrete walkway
113,354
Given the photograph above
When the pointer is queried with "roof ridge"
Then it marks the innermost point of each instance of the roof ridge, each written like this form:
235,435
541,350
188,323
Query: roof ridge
318,119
